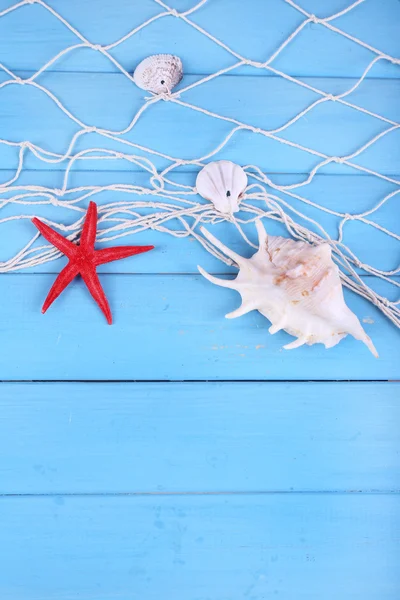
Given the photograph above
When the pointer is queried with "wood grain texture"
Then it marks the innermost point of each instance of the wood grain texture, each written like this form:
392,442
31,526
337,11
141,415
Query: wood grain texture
169,327
199,437
238,490
31,36
270,103
196,548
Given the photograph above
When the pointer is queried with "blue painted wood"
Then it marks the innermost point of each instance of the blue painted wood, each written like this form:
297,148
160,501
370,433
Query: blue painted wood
110,101
241,437
199,437
201,547
169,327
173,255
31,36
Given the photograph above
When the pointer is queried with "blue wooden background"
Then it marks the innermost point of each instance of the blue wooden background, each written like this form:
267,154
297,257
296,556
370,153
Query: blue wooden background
175,454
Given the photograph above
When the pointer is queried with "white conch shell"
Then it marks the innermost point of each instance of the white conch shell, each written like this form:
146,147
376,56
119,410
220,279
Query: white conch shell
158,73
294,285
222,182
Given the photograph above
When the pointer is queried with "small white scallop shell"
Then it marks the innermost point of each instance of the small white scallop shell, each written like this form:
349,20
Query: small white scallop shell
222,182
158,73
294,285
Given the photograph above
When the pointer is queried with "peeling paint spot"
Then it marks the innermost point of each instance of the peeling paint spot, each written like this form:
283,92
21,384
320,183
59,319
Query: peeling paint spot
368,320
259,346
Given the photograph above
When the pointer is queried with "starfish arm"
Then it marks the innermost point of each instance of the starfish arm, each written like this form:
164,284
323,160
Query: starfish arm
107,255
84,259
63,279
88,235
92,281
60,242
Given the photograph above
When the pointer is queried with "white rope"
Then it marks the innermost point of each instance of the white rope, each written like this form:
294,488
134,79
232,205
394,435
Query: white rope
175,208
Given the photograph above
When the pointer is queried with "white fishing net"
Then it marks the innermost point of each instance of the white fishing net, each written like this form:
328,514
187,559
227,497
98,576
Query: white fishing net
166,205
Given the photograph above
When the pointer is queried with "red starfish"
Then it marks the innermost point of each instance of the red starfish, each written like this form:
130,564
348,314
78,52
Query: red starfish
84,259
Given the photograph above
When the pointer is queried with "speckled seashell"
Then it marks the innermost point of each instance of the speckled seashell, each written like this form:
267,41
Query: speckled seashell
294,285
158,73
222,182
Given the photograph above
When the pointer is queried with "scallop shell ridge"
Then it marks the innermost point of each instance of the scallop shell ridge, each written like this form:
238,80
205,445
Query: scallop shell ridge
296,286
222,182
158,73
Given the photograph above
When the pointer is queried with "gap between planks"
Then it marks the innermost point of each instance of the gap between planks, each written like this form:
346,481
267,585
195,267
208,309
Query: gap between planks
173,381
187,171
207,493
236,73
172,274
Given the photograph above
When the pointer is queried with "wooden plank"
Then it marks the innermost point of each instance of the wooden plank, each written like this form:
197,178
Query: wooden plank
110,102
30,36
191,548
342,193
166,328
198,437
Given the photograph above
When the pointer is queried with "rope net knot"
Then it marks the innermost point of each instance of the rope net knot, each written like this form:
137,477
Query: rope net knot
165,204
